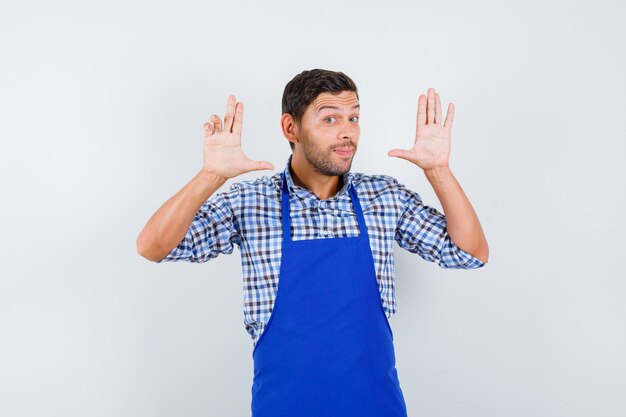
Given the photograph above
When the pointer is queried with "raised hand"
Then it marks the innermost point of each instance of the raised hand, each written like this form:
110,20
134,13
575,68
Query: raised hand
223,154
432,139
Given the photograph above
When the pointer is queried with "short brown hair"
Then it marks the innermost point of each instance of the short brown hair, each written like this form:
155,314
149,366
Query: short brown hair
306,86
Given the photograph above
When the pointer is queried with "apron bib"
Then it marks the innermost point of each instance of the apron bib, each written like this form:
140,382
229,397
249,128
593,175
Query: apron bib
327,349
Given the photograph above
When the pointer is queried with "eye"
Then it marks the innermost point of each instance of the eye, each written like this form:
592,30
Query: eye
329,117
355,119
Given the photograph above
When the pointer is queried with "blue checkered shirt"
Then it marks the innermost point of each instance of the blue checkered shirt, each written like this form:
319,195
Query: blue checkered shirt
249,216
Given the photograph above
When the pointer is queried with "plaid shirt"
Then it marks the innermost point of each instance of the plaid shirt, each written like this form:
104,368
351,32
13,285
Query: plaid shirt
249,216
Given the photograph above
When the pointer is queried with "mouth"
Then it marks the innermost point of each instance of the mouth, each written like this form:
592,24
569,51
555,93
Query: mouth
346,151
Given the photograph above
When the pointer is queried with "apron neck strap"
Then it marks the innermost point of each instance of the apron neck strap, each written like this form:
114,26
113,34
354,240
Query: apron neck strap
285,216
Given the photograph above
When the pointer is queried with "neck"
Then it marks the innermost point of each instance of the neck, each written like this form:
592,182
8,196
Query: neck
323,186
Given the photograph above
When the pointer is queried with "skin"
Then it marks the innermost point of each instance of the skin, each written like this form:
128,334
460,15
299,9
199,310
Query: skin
325,142
431,153
223,159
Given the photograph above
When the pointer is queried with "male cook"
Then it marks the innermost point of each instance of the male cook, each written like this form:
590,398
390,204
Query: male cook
316,244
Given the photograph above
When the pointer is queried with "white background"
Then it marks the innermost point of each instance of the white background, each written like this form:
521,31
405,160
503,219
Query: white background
101,113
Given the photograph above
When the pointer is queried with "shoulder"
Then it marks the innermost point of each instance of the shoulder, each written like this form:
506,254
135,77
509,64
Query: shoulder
376,183
259,192
268,186
381,186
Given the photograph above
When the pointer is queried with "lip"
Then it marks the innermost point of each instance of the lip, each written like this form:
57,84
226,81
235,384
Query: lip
347,151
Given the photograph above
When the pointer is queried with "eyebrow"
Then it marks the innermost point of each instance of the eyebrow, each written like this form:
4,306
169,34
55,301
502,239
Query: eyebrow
358,106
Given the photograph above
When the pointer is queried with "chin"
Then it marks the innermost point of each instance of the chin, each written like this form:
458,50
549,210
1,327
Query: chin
340,171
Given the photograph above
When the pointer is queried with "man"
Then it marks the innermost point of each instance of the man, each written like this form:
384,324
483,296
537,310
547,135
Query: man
317,246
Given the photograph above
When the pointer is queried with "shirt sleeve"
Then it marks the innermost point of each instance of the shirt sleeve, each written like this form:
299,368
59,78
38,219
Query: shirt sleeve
212,231
422,229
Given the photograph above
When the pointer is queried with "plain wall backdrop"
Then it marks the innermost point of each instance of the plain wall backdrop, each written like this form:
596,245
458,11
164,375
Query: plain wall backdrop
101,113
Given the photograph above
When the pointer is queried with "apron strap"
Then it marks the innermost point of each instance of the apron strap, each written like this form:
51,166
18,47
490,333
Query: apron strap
285,215
359,213
285,210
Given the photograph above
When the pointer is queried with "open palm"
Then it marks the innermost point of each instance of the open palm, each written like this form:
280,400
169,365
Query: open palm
223,154
432,139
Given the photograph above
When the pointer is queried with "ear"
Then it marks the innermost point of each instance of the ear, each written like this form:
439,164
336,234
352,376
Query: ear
289,128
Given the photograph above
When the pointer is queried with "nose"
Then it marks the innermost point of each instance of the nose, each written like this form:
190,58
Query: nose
348,130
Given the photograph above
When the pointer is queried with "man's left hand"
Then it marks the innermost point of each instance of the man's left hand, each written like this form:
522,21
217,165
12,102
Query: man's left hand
432,139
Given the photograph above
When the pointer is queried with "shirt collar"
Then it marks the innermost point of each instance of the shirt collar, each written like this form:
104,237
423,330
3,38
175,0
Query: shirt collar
305,192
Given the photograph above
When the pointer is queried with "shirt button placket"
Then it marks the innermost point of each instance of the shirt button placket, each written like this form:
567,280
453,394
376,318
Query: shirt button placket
320,205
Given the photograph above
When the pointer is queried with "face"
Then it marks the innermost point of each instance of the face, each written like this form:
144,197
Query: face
329,133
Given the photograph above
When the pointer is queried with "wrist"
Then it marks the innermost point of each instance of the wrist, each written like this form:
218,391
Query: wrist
437,170
211,177
438,174
210,181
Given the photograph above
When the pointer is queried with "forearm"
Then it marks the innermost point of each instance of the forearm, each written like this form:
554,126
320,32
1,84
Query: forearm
169,224
461,220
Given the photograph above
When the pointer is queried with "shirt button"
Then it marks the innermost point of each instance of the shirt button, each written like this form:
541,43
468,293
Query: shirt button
324,232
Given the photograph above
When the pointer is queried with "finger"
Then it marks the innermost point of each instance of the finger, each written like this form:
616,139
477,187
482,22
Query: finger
421,110
399,153
217,123
449,116
430,108
208,129
238,123
230,113
259,165
438,115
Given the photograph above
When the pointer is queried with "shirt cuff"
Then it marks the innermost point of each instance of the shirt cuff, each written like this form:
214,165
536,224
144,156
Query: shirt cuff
180,252
469,261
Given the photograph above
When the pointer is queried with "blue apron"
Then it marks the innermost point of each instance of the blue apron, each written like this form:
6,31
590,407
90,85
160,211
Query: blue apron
327,349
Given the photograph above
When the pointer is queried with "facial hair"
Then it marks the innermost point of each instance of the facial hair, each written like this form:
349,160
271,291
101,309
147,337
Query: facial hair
321,159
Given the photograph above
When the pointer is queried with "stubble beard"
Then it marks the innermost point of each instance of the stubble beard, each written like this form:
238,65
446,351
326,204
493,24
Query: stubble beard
321,159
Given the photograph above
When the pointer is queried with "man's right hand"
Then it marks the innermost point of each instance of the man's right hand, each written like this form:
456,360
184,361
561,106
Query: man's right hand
223,159
223,155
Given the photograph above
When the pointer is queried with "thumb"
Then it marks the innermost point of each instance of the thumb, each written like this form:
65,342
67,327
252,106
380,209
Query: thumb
399,153
259,165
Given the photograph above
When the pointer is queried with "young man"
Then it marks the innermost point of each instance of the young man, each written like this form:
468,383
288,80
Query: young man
316,243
